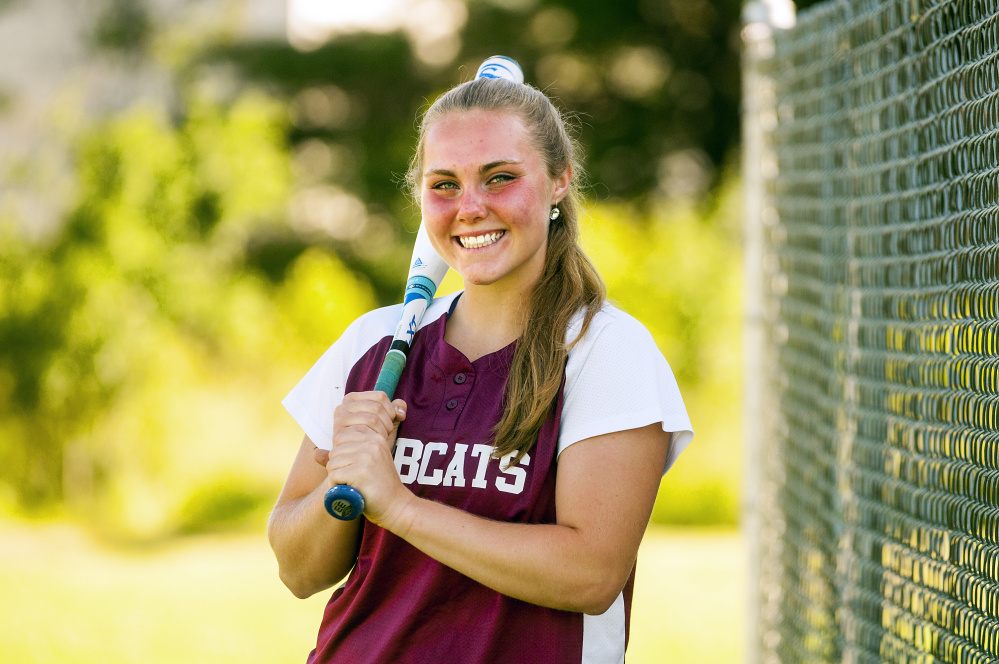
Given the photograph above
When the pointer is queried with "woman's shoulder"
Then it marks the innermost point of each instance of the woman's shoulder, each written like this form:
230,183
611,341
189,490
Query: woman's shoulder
617,379
609,325
615,342
376,323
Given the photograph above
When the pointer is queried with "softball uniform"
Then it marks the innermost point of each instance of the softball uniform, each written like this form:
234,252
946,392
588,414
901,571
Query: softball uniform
398,605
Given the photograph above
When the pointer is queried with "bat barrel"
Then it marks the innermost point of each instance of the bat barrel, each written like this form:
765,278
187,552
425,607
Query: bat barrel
500,66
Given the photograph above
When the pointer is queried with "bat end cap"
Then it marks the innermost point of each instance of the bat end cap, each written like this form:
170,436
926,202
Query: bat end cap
344,502
500,66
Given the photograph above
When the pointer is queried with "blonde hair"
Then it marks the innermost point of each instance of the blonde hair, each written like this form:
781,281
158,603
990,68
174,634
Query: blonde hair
569,282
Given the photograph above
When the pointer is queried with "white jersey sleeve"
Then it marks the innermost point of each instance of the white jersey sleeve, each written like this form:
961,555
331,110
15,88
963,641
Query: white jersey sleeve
312,401
617,379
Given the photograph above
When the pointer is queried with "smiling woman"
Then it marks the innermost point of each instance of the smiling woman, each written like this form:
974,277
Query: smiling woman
508,486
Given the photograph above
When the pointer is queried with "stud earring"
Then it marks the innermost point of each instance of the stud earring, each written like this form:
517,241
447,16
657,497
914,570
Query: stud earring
554,214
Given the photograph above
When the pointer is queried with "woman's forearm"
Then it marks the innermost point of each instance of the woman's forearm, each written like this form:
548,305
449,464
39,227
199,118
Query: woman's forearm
313,549
547,564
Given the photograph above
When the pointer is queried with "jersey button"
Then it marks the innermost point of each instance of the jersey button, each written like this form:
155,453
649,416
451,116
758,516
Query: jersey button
452,404
460,378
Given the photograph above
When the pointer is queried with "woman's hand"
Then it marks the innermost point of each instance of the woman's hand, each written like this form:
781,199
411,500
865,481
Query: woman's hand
365,426
314,550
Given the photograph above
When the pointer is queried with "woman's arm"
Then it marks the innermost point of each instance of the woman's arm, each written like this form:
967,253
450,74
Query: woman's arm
313,550
605,489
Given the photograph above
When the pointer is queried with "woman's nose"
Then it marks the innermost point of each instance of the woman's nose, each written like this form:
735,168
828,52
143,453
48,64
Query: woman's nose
472,207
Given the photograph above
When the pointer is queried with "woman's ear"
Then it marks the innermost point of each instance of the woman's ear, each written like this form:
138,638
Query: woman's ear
561,185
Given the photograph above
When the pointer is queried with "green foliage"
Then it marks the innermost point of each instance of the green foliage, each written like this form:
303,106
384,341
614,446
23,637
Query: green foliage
680,274
123,25
224,504
118,338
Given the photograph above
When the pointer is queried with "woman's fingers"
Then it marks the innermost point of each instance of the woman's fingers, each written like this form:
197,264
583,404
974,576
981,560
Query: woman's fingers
358,452
371,409
346,418
365,427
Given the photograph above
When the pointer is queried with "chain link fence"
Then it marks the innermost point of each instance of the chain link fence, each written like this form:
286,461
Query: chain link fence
872,165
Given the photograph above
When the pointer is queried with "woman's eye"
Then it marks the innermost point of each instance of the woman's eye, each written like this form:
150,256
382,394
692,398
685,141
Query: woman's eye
500,178
444,185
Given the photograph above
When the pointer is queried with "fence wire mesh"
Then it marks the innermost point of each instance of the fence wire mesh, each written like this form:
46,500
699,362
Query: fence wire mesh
878,505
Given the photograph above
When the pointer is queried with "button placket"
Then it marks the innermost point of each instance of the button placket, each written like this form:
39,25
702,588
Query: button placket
455,398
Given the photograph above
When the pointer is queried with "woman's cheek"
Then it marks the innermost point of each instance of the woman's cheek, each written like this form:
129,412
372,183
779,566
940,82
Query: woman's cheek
522,202
437,214
435,206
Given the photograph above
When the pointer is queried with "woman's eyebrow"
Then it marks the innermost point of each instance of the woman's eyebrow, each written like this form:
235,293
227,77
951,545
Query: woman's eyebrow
482,169
440,171
495,164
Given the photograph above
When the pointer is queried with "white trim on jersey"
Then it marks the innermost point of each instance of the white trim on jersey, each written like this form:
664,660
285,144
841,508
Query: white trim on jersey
603,635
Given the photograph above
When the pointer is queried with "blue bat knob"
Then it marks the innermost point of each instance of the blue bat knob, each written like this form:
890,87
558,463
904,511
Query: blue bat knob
344,502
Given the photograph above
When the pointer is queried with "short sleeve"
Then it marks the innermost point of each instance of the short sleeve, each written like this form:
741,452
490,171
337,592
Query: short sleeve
312,401
617,379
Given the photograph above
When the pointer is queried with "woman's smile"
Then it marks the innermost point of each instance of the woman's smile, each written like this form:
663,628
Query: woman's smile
479,241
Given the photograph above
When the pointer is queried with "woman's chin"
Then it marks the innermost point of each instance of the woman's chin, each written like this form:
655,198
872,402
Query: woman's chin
477,280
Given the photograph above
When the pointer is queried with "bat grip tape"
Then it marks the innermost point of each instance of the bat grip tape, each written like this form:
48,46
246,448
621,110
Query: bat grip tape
388,377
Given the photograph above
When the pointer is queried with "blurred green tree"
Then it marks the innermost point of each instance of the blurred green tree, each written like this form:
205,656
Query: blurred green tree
153,245
654,85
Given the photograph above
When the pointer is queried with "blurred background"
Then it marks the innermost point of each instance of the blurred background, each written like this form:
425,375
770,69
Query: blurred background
196,198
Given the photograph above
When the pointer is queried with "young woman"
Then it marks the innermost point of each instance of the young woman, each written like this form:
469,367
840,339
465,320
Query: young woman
508,486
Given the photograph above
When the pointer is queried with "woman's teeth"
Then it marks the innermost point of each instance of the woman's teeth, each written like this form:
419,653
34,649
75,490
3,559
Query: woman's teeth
479,241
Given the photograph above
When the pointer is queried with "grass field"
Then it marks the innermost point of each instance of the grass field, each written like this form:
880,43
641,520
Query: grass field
217,599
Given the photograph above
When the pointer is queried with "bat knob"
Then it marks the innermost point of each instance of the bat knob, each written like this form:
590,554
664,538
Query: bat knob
344,502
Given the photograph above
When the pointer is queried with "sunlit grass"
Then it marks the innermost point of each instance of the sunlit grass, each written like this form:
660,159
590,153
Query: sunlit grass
217,599
690,600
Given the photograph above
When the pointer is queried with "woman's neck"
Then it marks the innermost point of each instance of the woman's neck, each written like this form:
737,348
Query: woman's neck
484,321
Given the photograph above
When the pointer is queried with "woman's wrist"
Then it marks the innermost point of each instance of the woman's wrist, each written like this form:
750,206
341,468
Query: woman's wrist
399,518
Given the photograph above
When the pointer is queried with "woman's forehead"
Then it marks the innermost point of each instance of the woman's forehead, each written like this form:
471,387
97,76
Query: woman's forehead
491,134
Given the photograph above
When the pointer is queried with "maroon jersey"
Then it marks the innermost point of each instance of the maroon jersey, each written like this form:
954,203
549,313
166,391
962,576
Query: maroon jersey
398,605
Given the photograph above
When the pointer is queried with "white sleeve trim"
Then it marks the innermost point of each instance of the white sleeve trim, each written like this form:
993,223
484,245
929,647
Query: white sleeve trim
617,380
604,635
319,436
